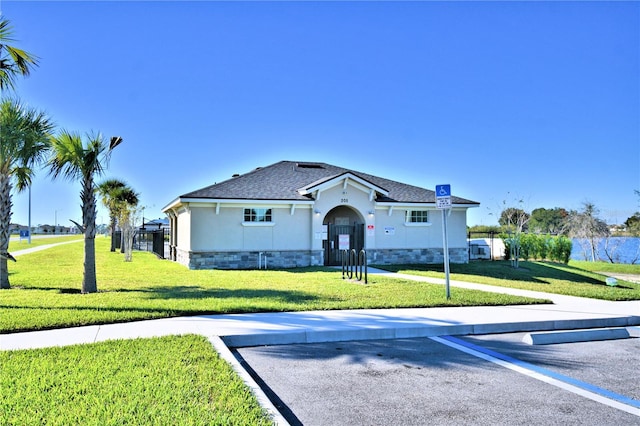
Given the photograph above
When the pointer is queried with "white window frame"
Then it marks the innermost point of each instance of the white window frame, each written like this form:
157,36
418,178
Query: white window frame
254,214
409,216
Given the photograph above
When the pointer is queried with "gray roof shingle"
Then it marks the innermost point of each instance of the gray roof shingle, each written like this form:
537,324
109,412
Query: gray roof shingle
281,181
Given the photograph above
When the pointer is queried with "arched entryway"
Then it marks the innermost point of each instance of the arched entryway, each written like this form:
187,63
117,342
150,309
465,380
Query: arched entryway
345,230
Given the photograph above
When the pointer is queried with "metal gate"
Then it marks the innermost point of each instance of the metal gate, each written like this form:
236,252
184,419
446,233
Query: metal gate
342,237
152,241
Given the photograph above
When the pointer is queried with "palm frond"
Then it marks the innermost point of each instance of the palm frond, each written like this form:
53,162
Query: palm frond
68,156
25,140
13,61
115,141
127,196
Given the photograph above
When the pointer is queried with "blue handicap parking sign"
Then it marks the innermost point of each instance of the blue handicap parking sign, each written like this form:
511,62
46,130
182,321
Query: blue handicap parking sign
443,190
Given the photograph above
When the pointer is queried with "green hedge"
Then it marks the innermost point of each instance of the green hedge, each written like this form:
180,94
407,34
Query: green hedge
539,247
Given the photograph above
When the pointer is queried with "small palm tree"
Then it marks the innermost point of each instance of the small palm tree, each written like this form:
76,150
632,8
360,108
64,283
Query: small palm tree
13,61
127,200
79,161
108,191
24,141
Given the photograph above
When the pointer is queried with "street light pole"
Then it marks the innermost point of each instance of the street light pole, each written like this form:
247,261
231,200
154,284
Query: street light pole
29,225
55,225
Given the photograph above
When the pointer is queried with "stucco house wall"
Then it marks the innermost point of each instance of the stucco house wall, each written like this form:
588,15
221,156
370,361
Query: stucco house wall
184,226
399,241
226,230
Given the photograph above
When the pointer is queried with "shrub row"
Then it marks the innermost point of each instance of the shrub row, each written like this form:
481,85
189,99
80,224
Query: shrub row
539,247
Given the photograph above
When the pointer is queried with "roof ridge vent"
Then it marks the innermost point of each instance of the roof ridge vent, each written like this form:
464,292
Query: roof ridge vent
310,165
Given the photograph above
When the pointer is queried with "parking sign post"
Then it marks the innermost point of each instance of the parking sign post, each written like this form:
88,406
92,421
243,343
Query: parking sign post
443,202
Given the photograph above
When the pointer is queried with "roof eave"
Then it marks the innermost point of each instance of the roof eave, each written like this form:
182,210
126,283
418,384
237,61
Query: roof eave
172,205
430,204
202,200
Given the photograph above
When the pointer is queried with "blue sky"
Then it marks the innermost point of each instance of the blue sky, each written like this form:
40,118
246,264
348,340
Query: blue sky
505,101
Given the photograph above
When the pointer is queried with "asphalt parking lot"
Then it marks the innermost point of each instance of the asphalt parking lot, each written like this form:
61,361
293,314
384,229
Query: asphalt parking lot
479,380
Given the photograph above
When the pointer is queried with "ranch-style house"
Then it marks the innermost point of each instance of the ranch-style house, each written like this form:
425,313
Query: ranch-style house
294,214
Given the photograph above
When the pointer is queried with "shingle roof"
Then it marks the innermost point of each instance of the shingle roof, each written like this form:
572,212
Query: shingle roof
282,180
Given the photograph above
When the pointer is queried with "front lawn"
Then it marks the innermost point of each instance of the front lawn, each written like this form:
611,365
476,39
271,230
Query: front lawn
46,286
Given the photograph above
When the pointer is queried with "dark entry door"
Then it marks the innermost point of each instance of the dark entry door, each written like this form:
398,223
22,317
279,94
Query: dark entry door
340,237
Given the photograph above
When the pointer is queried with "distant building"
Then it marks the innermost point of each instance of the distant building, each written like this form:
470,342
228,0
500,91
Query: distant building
302,214
155,224
50,229
15,228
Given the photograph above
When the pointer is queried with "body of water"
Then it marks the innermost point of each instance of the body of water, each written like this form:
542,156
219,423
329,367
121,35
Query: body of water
621,250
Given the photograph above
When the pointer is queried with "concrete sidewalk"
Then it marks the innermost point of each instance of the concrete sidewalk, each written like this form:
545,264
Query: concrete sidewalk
240,330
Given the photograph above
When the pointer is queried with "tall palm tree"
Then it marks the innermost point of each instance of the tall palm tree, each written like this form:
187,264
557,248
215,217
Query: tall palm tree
76,160
24,141
108,190
13,61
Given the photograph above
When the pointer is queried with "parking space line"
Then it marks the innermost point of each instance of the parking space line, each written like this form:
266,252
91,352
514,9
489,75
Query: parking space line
578,387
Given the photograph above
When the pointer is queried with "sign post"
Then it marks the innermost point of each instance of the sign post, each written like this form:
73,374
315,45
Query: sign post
443,202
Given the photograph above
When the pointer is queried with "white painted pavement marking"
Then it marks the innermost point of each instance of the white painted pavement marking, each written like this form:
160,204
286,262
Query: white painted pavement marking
586,390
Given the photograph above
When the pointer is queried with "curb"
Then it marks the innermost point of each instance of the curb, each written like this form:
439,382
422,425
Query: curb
350,333
572,336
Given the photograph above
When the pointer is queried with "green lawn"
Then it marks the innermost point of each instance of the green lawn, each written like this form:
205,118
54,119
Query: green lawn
572,279
177,380
46,290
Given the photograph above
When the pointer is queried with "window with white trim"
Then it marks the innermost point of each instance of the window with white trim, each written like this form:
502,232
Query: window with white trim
417,216
257,215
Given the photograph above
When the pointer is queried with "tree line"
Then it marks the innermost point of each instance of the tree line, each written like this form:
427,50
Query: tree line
559,221
28,141
519,229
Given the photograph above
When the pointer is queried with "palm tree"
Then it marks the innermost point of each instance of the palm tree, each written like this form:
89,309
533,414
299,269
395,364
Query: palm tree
24,141
13,61
108,190
79,161
127,200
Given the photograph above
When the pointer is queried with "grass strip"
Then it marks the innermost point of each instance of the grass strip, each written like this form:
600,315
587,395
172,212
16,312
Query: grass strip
176,380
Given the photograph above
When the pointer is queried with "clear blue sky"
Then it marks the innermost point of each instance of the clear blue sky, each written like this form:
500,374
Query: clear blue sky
538,101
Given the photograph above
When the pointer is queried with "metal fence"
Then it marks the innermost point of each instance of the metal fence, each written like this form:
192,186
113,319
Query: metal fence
154,241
